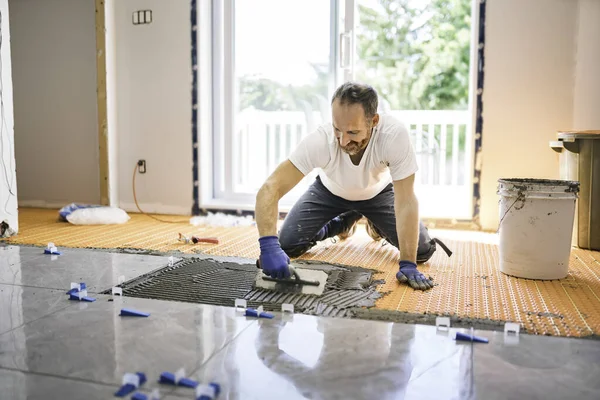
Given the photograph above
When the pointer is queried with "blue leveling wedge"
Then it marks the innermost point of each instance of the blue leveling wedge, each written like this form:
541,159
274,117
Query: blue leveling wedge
469,338
250,312
170,378
76,296
131,382
76,287
208,392
128,312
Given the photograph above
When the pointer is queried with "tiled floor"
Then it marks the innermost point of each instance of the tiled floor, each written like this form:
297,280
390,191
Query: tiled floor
53,348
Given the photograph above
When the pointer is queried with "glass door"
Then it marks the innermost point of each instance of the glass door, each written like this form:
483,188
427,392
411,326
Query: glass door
276,64
417,54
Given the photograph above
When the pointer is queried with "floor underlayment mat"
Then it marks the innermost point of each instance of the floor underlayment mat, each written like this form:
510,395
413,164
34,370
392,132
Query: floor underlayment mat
217,282
469,286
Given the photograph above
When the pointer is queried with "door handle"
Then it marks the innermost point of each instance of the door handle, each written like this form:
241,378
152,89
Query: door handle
345,38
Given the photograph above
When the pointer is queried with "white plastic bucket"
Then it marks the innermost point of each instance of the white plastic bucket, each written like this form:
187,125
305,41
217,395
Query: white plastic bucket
536,227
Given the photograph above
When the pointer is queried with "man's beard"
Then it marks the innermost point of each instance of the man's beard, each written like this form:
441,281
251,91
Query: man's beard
354,148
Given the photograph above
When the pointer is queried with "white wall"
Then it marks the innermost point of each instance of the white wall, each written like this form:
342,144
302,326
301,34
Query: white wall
56,125
587,70
528,91
8,179
152,74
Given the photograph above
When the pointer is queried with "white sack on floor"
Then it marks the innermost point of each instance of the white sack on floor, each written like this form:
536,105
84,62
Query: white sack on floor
98,216
222,220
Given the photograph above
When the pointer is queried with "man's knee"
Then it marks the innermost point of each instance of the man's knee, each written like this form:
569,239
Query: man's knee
428,246
294,249
293,244
425,247
424,239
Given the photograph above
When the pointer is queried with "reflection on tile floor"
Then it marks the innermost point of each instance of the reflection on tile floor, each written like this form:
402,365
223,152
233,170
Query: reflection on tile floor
99,270
538,367
51,347
17,385
91,341
328,358
22,304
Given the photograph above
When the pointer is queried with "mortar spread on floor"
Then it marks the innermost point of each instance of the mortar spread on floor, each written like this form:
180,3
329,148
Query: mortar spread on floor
209,281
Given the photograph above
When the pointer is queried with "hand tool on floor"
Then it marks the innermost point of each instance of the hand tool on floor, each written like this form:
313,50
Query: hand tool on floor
195,239
302,281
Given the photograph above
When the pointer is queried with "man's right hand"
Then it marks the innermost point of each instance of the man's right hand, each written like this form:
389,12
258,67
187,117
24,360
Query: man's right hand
273,260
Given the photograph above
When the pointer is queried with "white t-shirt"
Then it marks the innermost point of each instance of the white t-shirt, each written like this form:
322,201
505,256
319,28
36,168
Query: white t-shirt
389,156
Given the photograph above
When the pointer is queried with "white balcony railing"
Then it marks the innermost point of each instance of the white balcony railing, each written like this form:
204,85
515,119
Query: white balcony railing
441,140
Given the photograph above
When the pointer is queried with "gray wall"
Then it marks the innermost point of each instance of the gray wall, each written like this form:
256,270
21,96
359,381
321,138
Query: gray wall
55,106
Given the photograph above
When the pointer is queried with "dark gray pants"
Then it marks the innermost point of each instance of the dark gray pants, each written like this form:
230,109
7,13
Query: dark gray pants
318,206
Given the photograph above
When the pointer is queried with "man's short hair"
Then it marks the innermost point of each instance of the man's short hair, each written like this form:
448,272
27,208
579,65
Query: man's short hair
358,93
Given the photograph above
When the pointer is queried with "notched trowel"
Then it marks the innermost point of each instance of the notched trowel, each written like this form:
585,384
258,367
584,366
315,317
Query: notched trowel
302,281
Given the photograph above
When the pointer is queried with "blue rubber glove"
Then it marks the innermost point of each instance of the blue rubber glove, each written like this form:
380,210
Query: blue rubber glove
409,273
273,261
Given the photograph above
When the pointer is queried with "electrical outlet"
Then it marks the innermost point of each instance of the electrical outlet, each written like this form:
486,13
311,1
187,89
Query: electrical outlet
142,166
141,17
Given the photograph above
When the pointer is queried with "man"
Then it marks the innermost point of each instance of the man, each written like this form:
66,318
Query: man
368,169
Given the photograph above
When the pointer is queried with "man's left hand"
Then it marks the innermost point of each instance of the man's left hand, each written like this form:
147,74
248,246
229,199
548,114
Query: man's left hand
409,273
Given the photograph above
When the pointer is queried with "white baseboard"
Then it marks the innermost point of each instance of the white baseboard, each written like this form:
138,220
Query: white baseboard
129,207
234,205
156,209
42,204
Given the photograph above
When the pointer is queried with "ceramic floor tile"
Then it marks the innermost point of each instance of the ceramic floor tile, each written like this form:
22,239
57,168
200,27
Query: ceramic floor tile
99,270
446,378
18,385
328,358
537,367
21,304
532,367
13,255
91,341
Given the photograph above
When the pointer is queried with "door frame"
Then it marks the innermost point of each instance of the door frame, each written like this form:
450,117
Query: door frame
102,103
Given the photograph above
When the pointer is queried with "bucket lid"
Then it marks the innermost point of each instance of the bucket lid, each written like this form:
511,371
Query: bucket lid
579,134
545,185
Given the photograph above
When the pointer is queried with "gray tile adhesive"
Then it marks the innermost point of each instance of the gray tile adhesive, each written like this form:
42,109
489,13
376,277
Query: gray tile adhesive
210,281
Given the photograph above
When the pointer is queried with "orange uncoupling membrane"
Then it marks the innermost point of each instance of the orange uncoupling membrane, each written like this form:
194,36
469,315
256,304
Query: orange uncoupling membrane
469,284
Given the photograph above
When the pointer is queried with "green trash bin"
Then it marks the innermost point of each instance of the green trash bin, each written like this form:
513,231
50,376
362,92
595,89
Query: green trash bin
580,161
